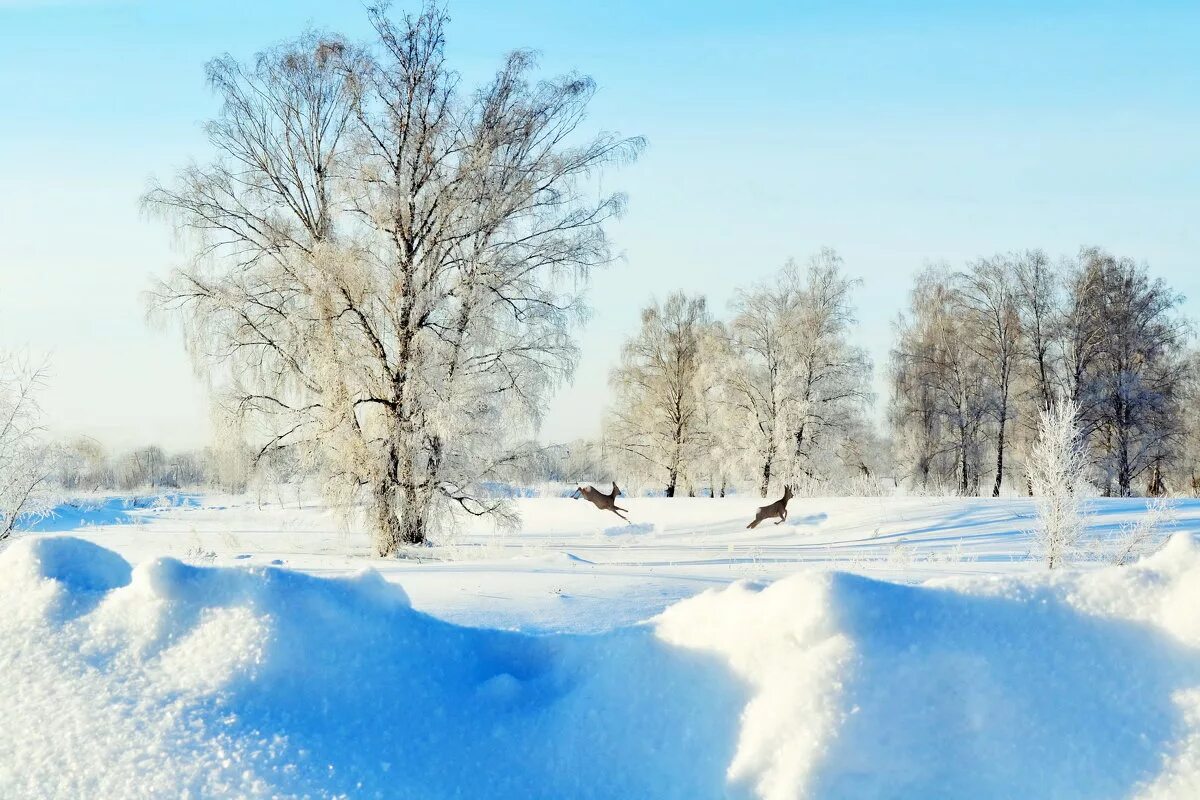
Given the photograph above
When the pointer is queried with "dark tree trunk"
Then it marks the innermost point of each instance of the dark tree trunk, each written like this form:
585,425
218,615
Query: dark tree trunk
1000,452
962,460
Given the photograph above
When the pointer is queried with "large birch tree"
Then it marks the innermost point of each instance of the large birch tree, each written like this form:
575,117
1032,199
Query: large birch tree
385,267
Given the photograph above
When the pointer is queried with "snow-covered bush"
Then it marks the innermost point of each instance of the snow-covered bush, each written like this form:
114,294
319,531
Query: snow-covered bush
1142,537
24,461
1056,468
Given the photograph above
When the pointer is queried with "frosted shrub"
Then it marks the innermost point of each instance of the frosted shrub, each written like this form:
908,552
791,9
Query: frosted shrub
1056,467
1141,538
24,462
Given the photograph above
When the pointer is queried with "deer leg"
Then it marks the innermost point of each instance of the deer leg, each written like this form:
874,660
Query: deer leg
618,511
575,495
782,517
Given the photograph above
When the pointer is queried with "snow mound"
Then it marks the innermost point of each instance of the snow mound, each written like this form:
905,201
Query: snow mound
260,682
1079,687
170,680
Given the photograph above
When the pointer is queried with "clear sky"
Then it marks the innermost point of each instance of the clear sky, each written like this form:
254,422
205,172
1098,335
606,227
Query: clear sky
896,132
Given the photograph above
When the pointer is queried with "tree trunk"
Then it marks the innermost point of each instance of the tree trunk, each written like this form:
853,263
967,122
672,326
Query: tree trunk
1124,473
962,449
388,533
766,478
413,514
1000,452
1157,486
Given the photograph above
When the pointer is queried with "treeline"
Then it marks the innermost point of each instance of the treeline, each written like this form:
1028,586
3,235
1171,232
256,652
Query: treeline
775,393
981,351
86,465
778,392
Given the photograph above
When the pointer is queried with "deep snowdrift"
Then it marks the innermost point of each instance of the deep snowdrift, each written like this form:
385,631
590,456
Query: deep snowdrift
170,680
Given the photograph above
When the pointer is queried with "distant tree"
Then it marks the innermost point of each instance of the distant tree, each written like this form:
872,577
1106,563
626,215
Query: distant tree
1082,332
185,468
719,461
1038,292
1136,370
278,468
584,460
759,375
656,419
795,382
144,467
915,415
388,266
834,374
940,395
1188,452
987,292
81,464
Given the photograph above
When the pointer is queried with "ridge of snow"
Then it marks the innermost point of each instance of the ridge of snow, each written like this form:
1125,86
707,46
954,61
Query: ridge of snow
170,680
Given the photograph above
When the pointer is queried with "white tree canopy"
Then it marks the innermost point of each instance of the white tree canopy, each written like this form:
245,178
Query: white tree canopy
388,267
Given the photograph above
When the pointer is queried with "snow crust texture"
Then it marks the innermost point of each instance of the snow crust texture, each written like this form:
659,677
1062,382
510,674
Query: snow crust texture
169,680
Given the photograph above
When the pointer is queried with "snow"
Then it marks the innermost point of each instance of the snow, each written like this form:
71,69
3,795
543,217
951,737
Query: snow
687,658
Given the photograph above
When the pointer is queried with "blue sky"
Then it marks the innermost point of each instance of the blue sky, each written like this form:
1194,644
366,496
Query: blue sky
897,133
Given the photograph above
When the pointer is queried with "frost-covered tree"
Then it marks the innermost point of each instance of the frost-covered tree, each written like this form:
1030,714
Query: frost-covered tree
760,376
720,461
656,421
834,374
1037,294
24,462
795,382
1081,337
1057,465
574,462
1038,286
987,295
386,266
939,392
82,464
1187,461
144,467
1137,374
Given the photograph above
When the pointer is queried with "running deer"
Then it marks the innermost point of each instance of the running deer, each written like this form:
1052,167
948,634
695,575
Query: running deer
776,509
602,501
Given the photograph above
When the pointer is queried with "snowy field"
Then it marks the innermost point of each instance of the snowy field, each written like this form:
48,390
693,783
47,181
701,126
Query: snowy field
868,647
